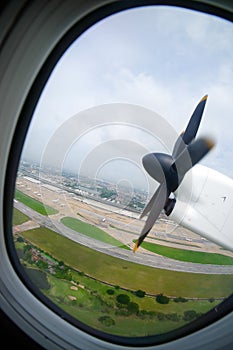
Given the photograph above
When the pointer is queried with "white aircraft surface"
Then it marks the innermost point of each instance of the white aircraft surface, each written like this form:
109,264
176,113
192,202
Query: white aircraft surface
206,207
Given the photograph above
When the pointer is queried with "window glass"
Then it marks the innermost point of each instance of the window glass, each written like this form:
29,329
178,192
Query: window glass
125,88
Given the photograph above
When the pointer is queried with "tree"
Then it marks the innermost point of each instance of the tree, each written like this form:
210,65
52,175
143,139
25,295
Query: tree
140,293
162,299
123,299
27,247
133,308
110,291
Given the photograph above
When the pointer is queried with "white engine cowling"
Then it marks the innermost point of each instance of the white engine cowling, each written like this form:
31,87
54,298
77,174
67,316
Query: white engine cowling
204,204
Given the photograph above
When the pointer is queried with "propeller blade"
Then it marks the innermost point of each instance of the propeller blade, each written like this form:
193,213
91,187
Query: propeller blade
194,122
179,146
152,163
199,148
150,203
193,153
157,205
191,130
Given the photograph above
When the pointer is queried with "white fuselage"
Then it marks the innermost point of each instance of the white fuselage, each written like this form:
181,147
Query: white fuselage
204,204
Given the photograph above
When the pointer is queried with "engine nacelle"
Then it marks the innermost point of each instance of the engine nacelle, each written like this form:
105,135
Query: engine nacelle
204,204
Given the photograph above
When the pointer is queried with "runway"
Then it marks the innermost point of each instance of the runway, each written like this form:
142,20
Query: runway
142,258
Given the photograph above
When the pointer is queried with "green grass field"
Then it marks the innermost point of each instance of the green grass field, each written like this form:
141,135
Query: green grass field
34,204
19,217
129,275
89,306
102,272
92,231
188,255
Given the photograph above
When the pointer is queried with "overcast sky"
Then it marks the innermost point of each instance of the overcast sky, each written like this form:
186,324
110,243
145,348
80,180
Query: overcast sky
158,61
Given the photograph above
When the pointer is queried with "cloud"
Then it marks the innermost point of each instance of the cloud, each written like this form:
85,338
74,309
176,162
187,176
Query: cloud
161,58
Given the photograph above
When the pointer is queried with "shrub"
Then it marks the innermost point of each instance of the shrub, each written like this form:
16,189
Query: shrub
106,321
180,300
110,291
190,315
173,317
161,316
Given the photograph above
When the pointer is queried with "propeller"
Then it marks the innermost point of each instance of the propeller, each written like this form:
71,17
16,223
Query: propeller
169,170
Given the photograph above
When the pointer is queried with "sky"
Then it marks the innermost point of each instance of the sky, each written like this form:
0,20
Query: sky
128,86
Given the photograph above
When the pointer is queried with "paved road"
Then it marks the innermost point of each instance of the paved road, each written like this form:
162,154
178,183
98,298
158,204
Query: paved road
152,260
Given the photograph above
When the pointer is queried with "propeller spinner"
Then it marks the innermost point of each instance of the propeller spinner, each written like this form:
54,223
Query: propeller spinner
169,170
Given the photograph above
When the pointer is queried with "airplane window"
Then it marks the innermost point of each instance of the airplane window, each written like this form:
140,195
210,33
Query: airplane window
121,222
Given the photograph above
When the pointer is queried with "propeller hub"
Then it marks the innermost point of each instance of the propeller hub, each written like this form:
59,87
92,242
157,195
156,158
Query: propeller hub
159,167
